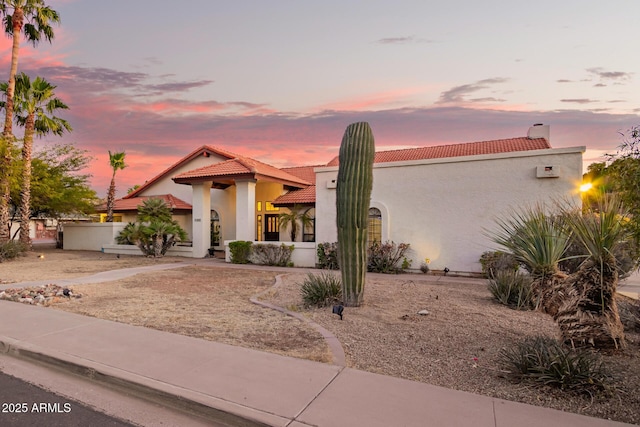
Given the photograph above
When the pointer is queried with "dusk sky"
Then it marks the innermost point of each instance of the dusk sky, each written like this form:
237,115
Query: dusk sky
279,81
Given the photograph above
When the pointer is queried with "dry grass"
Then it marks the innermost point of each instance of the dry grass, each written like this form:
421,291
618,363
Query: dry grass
49,264
201,302
456,345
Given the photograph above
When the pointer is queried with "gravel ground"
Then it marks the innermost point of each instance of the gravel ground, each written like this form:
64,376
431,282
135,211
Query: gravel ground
457,344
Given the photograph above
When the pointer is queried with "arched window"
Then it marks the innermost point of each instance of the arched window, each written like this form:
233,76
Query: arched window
374,228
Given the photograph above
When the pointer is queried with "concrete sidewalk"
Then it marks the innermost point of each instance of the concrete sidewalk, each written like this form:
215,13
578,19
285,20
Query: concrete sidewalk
246,387
630,286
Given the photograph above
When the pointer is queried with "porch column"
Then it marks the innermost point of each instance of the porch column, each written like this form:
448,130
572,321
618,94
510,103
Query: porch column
246,210
201,225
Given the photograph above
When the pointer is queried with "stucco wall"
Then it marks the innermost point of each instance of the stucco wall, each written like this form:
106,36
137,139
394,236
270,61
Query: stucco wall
90,236
442,206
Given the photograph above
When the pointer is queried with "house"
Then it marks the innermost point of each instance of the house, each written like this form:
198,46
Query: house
439,199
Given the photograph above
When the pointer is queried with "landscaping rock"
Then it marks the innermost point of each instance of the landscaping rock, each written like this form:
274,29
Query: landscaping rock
40,295
423,312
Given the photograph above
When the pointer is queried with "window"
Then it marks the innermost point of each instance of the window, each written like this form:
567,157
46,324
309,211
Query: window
309,230
268,206
259,228
215,229
374,228
116,217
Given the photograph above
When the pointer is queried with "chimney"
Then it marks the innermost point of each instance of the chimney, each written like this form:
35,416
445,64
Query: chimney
539,130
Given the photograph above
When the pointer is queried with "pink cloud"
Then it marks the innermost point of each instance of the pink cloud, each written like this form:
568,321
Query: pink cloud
115,110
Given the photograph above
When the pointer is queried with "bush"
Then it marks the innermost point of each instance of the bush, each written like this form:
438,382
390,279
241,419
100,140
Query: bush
512,289
328,256
385,257
270,254
12,249
494,261
381,258
321,290
546,361
240,251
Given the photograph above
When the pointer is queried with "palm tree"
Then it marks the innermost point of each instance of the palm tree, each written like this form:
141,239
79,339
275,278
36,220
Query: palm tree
538,241
292,217
116,160
589,315
33,19
35,102
154,231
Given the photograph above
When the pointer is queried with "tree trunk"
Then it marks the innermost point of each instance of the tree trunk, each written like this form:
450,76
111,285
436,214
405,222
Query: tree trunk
589,315
5,188
111,197
18,20
25,192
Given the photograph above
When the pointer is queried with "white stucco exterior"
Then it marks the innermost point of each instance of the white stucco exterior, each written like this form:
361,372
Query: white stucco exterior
442,206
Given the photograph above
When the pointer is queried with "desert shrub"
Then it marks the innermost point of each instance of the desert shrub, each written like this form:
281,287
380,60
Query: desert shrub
386,257
240,251
321,290
494,261
328,256
512,289
270,254
424,267
12,249
545,361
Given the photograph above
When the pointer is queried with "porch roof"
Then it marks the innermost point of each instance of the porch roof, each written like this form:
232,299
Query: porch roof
225,174
303,196
131,204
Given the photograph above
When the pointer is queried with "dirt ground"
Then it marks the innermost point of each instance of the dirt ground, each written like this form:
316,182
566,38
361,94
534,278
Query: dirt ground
456,345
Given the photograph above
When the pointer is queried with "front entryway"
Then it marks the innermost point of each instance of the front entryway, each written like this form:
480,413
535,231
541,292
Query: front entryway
271,228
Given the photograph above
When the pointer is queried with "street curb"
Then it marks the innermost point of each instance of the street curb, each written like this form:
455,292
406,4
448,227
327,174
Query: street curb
223,412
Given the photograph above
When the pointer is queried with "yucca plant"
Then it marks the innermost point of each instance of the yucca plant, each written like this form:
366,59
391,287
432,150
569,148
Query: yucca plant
590,314
538,241
321,290
545,361
512,289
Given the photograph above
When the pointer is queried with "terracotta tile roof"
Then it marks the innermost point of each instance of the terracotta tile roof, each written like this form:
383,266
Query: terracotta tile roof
203,150
459,150
242,167
131,204
304,172
302,196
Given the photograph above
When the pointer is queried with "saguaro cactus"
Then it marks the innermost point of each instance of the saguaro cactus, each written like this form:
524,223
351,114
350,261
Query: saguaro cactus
353,194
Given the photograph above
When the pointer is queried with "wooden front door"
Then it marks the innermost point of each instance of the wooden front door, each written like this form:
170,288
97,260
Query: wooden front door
271,228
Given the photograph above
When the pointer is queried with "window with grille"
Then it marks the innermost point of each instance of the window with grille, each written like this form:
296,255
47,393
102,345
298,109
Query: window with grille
374,228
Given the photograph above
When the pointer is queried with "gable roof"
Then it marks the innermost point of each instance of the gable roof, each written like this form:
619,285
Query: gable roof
205,150
225,173
458,150
131,204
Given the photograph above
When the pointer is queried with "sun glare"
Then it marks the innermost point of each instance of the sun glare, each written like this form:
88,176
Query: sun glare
586,187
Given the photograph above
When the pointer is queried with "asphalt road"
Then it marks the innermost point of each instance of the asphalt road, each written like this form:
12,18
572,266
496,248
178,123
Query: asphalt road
23,404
